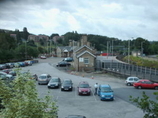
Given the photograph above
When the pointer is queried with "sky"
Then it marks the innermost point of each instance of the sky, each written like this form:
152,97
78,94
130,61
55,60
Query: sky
122,19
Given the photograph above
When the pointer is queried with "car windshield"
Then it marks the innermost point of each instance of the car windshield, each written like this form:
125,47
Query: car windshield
54,80
66,84
42,77
106,89
84,86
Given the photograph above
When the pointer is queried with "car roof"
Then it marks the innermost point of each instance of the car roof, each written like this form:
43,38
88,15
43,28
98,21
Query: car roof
55,78
132,77
67,80
104,85
43,74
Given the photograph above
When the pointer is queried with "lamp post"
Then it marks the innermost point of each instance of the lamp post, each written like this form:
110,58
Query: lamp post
142,48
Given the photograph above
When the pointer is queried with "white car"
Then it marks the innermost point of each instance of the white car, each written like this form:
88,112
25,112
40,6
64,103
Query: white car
44,79
131,80
4,75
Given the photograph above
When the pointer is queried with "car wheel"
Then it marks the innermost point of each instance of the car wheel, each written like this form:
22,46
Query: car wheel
139,87
38,83
156,87
128,84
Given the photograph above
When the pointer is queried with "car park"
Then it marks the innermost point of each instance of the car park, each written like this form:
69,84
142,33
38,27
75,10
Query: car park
75,116
84,88
68,59
55,82
44,79
105,92
63,64
67,85
130,80
144,83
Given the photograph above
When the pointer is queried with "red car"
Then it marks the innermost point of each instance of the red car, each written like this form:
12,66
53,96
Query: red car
84,88
145,84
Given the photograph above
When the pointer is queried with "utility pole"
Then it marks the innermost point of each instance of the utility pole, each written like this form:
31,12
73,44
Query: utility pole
128,50
142,48
107,48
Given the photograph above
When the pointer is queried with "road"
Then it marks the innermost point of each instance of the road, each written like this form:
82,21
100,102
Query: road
90,106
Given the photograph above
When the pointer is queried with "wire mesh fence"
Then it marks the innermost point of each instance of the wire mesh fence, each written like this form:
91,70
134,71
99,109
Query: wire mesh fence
128,69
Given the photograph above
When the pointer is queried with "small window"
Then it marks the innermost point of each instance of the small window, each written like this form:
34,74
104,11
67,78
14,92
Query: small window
86,60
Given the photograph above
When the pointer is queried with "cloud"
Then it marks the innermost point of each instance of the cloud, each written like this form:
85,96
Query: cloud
113,18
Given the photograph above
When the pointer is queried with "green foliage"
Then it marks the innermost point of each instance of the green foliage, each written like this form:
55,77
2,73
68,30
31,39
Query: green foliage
149,107
141,62
21,100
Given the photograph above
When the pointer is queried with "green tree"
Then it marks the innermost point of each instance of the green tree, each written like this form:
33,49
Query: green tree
20,99
149,107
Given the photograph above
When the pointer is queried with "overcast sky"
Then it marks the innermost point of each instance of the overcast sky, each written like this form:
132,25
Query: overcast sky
121,19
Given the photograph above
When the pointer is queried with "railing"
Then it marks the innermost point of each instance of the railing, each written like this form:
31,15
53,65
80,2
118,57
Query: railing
128,70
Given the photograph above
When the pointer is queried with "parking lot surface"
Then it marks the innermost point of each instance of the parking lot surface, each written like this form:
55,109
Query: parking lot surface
70,103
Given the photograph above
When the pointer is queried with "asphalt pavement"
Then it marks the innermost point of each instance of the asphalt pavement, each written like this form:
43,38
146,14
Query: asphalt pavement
71,103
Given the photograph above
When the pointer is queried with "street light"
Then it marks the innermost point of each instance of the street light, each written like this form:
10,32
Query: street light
142,48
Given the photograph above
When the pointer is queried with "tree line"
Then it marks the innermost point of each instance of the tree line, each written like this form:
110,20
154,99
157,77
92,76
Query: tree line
20,48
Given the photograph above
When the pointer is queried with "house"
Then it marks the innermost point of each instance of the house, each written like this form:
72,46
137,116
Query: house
64,51
84,56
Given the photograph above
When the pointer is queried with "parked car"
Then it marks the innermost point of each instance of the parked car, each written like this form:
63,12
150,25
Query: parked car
6,70
9,65
145,84
43,57
105,92
16,64
63,64
67,85
4,75
44,79
130,80
55,82
34,76
68,59
2,66
84,88
12,73
75,116
29,62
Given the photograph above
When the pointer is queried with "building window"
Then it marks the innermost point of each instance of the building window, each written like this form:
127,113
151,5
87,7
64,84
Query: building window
86,60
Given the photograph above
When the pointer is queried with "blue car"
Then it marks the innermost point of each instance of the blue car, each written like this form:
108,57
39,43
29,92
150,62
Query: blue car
105,92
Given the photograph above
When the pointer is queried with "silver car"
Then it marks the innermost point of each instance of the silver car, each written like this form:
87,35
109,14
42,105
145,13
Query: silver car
44,79
131,80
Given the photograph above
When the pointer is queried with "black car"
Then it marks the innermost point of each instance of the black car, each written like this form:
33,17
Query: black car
63,64
55,82
68,59
67,85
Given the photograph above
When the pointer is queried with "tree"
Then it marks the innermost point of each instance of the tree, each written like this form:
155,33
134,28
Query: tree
149,107
20,99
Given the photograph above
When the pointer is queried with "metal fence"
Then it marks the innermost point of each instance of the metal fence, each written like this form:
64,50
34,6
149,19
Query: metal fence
128,69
